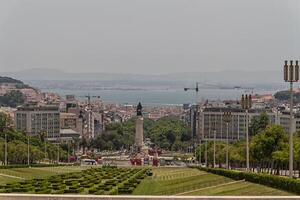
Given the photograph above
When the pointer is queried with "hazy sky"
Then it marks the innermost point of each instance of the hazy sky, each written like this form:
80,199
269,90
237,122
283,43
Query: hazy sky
148,36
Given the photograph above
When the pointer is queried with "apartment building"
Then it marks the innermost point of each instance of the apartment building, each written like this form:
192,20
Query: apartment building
33,120
211,119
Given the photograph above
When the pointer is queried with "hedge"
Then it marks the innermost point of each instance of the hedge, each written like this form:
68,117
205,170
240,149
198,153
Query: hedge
88,181
31,165
279,182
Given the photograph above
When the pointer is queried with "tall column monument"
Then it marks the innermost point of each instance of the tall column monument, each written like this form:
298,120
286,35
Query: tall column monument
139,128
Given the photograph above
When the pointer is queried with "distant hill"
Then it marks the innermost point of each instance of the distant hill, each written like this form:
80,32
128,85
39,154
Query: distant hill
4,79
243,78
18,84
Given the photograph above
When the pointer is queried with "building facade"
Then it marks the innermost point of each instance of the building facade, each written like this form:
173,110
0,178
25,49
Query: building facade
71,121
211,120
34,120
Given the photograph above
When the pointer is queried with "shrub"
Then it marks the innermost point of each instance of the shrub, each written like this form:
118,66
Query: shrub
31,165
99,192
113,191
58,192
43,191
92,191
92,179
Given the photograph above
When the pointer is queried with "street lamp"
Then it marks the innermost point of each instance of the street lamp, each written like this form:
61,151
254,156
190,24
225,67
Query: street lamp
291,75
214,144
68,152
7,125
28,150
227,119
207,136
206,161
195,122
246,103
5,151
58,142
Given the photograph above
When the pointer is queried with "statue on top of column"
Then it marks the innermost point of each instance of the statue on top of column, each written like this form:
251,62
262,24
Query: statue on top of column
139,109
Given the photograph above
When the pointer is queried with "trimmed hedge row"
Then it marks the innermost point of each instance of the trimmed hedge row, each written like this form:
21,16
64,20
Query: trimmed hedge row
106,180
279,182
31,165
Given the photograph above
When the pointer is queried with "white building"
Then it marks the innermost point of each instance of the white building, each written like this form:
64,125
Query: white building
34,120
211,119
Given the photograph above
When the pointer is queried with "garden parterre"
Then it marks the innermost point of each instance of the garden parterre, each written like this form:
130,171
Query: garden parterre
105,180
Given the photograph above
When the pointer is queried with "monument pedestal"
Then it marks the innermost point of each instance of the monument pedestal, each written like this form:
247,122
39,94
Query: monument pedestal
140,150
139,133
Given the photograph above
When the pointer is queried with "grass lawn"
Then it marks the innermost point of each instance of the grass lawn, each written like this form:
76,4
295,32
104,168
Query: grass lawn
5,179
187,181
37,172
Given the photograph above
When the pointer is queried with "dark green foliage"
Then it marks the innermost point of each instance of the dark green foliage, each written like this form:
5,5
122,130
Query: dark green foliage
125,179
265,144
32,165
283,183
268,145
285,96
4,79
12,99
167,133
18,145
258,124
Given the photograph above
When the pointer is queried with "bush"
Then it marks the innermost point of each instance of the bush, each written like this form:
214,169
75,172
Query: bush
92,191
99,192
113,192
58,192
27,166
124,179
43,191
283,183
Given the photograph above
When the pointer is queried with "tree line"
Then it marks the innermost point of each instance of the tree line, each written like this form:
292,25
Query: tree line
13,99
269,150
169,133
17,146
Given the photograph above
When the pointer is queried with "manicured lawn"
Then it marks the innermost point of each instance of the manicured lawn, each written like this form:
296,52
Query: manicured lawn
241,189
186,181
165,181
5,179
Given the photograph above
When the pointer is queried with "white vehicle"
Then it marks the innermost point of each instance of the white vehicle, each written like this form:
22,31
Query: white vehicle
88,162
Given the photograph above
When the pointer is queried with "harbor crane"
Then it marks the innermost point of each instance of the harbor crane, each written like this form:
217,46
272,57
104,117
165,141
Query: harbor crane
194,128
195,88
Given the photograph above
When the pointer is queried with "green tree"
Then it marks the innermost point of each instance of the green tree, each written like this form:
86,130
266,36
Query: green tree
285,96
18,146
3,121
258,123
164,132
238,151
265,144
12,99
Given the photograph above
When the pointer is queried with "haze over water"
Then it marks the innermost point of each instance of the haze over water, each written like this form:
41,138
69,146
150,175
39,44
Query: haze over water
158,97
